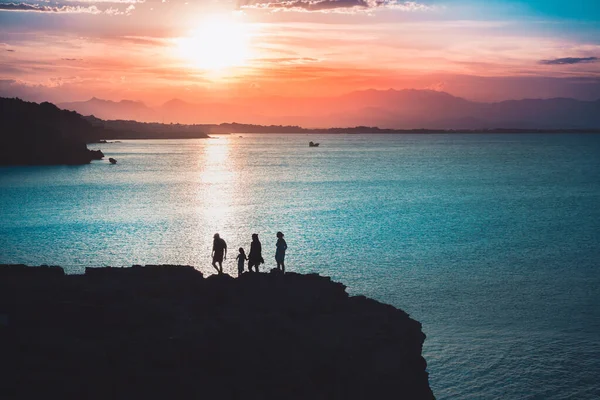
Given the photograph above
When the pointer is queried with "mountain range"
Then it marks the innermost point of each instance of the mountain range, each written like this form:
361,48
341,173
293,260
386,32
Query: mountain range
124,109
397,109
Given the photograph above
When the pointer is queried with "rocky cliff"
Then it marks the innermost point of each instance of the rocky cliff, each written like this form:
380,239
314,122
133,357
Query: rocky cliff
168,332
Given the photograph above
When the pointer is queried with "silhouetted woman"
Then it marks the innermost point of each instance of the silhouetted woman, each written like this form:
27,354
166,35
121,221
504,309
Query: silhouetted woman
280,252
255,256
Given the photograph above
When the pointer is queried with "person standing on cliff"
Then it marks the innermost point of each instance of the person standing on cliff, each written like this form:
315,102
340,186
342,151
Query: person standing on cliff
280,252
255,256
219,253
241,258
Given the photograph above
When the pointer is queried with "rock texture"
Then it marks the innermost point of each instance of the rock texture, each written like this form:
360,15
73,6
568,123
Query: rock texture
168,332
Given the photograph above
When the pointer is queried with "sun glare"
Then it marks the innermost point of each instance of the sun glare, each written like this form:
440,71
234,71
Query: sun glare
218,43
218,180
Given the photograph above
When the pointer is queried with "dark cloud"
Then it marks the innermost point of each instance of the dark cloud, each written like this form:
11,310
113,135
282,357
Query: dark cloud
21,7
72,8
52,9
329,5
569,60
11,50
72,59
320,5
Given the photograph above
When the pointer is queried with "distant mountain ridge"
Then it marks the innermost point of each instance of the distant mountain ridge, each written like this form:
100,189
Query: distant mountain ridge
124,109
396,109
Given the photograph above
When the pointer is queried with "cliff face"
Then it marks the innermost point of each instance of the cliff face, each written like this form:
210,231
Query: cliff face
168,332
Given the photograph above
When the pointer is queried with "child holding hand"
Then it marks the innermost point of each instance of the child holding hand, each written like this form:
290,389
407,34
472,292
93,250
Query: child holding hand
241,259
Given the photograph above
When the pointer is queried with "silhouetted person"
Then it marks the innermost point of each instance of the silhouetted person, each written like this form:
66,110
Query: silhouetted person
219,252
280,252
255,256
241,259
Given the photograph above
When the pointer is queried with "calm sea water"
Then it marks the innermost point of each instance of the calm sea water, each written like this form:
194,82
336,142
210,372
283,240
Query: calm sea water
491,241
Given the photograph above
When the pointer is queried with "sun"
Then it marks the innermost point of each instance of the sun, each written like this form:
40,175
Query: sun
219,42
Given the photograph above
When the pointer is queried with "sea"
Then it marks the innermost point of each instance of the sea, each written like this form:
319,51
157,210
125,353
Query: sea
491,241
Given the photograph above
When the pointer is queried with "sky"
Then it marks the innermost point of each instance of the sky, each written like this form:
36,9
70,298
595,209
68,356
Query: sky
158,50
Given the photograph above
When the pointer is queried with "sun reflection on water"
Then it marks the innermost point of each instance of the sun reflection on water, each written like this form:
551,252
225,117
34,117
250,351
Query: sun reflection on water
215,168
217,181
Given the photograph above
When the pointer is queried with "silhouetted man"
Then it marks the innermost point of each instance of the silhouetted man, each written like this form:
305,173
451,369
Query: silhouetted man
219,253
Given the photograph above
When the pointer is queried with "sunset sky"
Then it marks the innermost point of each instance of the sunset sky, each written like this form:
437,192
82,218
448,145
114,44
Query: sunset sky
157,50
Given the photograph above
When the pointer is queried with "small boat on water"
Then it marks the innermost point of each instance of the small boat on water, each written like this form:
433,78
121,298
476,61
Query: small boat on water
313,144
112,160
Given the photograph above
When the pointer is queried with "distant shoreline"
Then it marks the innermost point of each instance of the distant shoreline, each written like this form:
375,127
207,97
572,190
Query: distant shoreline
131,129
351,131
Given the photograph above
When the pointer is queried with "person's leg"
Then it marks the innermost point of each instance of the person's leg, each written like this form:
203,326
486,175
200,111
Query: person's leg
214,264
220,267
282,267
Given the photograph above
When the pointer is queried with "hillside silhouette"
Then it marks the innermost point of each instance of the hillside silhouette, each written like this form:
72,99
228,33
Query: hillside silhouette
122,129
41,134
387,109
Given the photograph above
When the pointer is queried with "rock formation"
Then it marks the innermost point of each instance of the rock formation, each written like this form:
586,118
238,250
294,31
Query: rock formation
168,332
41,134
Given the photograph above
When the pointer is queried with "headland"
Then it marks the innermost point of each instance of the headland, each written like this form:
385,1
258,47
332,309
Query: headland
169,332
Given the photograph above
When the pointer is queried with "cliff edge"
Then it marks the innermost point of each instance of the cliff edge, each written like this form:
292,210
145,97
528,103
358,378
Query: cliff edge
168,332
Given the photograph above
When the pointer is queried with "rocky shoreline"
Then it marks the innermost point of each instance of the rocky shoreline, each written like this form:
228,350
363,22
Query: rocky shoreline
169,332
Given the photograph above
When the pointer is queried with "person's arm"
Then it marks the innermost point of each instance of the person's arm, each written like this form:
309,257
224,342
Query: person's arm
225,255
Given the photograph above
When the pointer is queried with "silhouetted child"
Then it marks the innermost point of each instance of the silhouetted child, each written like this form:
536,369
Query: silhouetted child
280,252
241,259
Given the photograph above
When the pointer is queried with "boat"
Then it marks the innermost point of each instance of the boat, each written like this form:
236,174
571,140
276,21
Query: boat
112,160
313,144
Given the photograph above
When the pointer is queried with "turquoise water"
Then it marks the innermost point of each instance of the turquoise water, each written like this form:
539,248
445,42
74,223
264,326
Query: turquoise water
491,241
